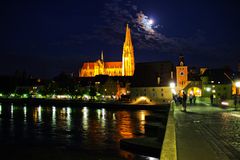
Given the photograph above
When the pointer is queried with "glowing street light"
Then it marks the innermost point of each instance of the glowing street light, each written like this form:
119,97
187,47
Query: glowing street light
172,85
237,84
208,89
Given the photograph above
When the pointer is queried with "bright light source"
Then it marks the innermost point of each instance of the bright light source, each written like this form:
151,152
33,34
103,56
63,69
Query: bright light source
173,91
86,97
213,91
142,98
12,95
191,92
208,89
172,85
225,103
237,84
150,21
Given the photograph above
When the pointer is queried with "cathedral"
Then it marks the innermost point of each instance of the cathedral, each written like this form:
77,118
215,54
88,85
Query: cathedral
125,67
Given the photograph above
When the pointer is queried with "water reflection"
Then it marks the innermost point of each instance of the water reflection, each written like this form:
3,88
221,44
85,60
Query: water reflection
88,128
114,116
11,110
125,125
53,116
103,119
25,111
85,118
69,118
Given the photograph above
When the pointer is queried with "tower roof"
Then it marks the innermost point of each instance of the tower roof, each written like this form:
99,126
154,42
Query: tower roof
128,39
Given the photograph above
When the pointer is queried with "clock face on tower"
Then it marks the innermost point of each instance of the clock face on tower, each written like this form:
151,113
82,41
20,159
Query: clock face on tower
181,73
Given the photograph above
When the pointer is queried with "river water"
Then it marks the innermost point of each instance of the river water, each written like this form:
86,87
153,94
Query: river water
51,132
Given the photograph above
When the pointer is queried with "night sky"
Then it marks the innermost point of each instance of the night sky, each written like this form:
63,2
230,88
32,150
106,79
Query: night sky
46,37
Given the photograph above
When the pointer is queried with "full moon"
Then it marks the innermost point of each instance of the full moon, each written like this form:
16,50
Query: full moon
150,21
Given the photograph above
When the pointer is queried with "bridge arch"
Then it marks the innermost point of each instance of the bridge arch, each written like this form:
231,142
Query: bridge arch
195,90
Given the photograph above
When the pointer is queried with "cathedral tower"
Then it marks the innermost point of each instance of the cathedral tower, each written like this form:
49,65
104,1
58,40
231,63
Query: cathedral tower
128,64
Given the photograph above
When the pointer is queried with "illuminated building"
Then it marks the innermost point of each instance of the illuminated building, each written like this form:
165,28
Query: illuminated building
218,82
155,88
181,74
125,67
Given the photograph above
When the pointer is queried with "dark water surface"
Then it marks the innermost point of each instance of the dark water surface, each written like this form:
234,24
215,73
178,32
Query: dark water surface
49,132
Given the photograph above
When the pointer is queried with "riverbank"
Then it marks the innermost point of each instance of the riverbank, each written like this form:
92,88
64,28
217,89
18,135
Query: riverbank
79,103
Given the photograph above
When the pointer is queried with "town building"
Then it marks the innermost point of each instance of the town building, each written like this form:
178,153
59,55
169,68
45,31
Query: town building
217,82
150,83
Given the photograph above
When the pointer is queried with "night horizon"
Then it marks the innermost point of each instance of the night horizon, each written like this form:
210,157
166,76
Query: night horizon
46,38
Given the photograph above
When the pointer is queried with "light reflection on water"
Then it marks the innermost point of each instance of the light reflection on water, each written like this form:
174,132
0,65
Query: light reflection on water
89,128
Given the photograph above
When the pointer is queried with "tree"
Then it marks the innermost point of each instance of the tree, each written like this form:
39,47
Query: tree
92,92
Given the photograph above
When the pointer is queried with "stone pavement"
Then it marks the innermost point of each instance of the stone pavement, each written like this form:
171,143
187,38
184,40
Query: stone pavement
206,132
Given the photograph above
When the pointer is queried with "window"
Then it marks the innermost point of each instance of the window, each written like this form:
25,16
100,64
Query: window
153,89
162,94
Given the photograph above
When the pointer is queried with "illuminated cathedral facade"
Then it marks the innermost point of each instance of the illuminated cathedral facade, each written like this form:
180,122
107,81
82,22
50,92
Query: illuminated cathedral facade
125,67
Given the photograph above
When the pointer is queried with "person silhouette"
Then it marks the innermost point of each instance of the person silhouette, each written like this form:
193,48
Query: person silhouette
194,99
184,101
211,98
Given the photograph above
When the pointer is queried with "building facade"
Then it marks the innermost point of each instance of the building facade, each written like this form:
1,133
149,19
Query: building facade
181,74
125,67
150,83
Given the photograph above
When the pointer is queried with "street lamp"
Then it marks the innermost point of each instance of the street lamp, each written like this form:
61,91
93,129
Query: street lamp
172,87
237,84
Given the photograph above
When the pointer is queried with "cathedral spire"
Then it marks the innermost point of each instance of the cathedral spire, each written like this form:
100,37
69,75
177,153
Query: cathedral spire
128,63
102,59
128,39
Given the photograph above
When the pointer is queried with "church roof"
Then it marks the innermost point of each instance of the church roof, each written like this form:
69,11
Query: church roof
113,64
88,64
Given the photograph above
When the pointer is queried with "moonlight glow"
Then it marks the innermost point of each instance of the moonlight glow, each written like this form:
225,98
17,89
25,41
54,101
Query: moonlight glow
150,22
145,22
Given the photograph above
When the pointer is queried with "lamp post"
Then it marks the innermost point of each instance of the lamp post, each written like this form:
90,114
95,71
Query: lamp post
172,87
237,84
